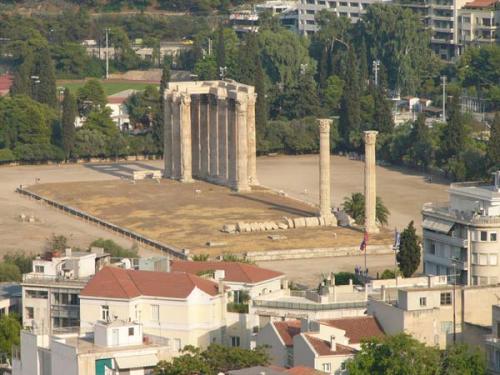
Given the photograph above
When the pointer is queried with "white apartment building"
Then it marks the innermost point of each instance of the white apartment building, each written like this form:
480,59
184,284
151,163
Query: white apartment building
50,292
324,345
492,342
427,314
478,22
308,9
461,237
112,348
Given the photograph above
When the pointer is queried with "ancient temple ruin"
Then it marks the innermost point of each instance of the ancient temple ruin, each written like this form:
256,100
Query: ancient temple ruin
210,133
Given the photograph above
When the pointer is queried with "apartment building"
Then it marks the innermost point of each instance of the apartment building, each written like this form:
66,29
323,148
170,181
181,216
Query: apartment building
50,292
461,237
112,348
324,345
428,313
478,23
308,9
183,308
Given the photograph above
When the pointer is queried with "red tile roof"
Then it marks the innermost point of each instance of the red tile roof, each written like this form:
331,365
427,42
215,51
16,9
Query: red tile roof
302,370
323,347
234,271
5,83
112,282
287,330
356,328
481,4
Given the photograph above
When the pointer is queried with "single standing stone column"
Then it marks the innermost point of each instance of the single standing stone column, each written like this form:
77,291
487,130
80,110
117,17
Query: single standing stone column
242,144
185,138
222,134
213,138
167,136
176,137
252,143
325,207
232,138
195,134
370,182
204,134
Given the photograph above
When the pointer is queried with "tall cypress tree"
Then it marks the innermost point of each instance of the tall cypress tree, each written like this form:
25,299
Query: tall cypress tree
22,76
350,117
454,133
69,111
382,117
45,90
494,143
408,256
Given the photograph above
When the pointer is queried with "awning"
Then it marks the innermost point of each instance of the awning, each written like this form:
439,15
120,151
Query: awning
136,361
437,225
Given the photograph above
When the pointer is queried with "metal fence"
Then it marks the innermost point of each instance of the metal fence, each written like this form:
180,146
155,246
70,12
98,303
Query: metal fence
309,306
170,250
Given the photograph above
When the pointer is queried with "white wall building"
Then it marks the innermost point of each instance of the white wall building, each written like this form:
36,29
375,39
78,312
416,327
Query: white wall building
478,23
462,236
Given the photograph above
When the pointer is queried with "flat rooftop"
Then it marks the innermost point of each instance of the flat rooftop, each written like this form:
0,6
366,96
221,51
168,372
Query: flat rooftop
188,216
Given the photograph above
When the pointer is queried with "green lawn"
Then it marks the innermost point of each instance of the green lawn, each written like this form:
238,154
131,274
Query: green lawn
109,87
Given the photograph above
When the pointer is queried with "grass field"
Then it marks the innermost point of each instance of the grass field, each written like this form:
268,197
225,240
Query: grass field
110,87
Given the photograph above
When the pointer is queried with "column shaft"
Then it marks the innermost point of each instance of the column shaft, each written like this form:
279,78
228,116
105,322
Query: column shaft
231,144
370,138
213,138
252,142
325,206
185,135
204,144
242,145
167,136
195,134
222,135
176,138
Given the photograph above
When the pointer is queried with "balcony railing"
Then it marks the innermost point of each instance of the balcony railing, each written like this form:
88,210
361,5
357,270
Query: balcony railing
308,306
444,209
48,279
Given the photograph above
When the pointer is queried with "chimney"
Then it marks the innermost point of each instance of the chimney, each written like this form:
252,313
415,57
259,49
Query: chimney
304,325
219,275
68,251
333,344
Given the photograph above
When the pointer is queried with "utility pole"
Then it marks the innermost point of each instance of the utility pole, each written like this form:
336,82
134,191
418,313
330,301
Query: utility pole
376,66
443,79
107,53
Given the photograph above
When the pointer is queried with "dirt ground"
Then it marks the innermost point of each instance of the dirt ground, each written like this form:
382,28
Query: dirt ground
189,216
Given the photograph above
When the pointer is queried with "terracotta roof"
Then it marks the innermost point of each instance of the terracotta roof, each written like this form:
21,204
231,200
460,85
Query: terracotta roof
302,370
481,4
287,330
112,282
323,347
234,271
356,328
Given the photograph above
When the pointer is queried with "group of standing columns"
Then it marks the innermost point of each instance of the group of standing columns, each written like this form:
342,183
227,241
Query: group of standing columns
210,134
370,181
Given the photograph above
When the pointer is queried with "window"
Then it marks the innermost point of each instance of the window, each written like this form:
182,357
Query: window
493,236
484,236
326,367
30,313
343,366
37,294
131,331
445,299
446,327
432,248
235,341
155,313
39,269
474,258
493,260
105,312
423,301
474,280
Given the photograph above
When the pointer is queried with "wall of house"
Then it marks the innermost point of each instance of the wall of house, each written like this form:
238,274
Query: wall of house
335,362
277,350
389,317
303,354
41,309
64,356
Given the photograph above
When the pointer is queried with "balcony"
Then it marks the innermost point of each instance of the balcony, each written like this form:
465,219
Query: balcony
446,6
466,217
461,264
34,278
65,311
443,238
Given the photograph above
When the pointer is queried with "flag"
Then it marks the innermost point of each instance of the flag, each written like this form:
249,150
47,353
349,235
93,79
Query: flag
364,243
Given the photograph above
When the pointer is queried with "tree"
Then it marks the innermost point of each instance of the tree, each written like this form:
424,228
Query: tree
90,96
350,118
332,93
220,56
409,255
56,243
9,272
421,152
21,260
494,143
382,116
89,144
354,206
69,110
394,355
115,250
100,120
45,90
463,360
10,331
302,99
455,133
